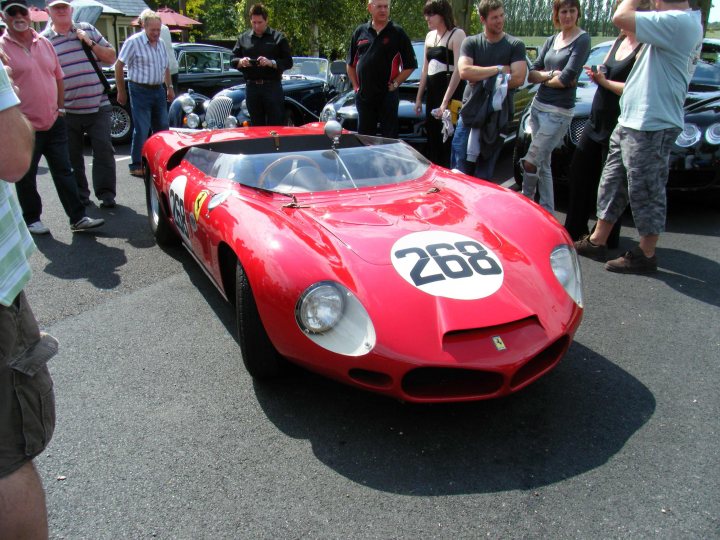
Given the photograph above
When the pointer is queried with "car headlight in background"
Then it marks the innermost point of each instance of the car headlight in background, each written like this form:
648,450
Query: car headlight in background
187,103
689,136
192,120
566,268
331,316
712,134
230,122
328,113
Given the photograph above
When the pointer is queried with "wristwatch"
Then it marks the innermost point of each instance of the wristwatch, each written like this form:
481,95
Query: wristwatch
274,63
92,43
395,84
61,110
499,68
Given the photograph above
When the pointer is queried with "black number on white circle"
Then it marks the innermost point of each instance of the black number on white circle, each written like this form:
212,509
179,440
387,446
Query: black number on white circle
468,258
178,211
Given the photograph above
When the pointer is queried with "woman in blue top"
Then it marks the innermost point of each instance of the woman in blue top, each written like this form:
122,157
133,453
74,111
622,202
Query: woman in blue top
557,68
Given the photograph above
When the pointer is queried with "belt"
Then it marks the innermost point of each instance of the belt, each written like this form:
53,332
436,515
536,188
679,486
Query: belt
148,86
262,81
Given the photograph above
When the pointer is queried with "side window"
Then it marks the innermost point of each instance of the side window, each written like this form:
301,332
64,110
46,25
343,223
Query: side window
214,63
182,66
226,57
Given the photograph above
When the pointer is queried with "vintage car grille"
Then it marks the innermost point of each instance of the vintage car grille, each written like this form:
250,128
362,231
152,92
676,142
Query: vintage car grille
219,109
576,128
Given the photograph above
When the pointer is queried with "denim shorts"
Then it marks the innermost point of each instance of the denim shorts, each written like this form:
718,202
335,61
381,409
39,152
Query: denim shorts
27,401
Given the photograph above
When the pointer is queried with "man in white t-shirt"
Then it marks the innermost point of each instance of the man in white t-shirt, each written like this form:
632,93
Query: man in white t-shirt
651,118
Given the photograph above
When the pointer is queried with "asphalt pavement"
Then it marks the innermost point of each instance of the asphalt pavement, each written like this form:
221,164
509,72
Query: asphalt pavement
162,434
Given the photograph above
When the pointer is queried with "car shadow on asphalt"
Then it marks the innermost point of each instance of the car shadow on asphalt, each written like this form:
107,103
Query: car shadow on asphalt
568,423
689,274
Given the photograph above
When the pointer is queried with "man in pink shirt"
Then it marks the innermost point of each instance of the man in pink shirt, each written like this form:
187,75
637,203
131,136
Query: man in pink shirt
39,79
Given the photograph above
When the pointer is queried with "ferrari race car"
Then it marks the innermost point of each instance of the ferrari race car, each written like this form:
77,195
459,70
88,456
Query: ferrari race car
355,257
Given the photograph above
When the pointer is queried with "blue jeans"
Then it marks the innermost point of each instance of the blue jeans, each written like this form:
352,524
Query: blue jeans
53,144
149,111
482,168
548,130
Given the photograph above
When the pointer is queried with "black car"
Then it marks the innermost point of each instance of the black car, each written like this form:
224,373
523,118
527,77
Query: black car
695,157
412,125
205,68
308,85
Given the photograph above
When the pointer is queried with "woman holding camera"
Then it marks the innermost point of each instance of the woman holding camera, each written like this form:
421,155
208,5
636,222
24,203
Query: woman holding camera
439,76
589,157
557,68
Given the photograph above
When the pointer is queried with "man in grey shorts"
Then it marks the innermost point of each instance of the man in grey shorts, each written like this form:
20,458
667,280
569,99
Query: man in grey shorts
27,403
651,118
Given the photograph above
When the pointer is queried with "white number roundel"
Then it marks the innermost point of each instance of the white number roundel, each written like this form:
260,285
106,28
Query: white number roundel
447,264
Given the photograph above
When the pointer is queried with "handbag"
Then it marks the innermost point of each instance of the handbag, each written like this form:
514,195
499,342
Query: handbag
455,106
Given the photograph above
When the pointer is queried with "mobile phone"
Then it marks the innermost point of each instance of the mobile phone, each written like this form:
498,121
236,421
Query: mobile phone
594,69
253,62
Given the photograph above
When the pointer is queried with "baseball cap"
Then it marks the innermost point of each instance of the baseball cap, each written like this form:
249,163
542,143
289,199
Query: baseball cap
52,3
6,4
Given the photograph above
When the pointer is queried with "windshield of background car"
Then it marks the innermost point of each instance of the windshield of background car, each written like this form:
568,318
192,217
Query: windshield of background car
597,56
306,164
419,48
316,68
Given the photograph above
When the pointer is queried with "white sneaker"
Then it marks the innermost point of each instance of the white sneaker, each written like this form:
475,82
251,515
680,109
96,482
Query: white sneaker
38,228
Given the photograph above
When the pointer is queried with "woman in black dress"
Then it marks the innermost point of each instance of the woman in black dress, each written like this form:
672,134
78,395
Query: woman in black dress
439,76
591,152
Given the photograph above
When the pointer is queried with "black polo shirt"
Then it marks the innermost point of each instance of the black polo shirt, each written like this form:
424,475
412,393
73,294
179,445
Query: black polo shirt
379,58
273,45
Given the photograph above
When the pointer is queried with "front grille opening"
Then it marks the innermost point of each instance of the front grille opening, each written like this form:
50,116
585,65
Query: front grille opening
542,362
371,378
577,125
448,382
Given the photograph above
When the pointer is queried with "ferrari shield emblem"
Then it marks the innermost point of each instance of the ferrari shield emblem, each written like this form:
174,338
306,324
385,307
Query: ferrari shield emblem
499,343
199,200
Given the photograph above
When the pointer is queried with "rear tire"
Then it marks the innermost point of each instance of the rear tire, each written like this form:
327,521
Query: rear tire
160,226
261,359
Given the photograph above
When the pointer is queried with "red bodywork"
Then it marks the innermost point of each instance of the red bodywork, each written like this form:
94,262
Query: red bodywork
428,348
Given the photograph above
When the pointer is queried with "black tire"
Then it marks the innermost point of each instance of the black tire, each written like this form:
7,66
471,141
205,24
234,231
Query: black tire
160,226
121,124
261,359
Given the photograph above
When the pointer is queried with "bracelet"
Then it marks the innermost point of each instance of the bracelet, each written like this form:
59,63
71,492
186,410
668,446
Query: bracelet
61,110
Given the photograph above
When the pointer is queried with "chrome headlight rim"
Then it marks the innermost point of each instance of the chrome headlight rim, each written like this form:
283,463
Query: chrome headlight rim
328,113
566,268
322,295
346,331
192,120
689,136
230,122
244,108
712,134
187,103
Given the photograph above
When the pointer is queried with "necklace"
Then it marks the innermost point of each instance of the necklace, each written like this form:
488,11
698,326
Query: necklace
439,39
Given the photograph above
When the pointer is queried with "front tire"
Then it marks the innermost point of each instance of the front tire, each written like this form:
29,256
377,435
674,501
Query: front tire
159,224
261,359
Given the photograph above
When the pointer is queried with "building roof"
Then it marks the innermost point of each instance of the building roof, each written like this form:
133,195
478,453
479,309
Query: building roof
131,8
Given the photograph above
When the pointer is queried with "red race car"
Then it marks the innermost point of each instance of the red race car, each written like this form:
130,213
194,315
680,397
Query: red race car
356,258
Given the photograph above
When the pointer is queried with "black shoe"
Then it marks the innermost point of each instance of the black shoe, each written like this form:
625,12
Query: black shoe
107,203
633,262
586,248
86,202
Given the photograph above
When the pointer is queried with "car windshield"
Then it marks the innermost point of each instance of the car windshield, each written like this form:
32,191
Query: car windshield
303,164
316,68
597,55
419,48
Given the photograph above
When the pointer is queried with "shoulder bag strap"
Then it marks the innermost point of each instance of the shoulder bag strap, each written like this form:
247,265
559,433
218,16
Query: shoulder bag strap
95,66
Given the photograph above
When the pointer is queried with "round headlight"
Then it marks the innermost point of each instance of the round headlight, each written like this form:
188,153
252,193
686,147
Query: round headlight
244,108
689,136
230,122
193,120
566,268
320,308
187,103
712,134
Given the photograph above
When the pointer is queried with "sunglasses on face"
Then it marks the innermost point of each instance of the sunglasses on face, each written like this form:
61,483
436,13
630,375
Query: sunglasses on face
14,11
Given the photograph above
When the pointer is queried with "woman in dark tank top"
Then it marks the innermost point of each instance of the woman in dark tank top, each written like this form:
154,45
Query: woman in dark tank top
589,157
439,76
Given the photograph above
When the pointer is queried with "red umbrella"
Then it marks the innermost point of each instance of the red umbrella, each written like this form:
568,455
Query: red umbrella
172,19
38,15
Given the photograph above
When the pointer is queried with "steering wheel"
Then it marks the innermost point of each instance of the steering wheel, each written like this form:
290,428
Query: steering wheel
293,159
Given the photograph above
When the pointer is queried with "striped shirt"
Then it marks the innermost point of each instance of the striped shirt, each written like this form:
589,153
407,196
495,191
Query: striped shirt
145,63
84,93
16,245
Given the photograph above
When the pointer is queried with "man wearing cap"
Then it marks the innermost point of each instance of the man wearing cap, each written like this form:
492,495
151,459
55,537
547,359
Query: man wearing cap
39,78
148,68
86,103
